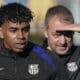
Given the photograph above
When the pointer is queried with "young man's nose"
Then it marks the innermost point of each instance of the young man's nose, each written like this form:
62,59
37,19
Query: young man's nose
20,34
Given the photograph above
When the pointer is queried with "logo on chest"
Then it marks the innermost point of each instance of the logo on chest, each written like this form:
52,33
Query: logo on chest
33,69
72,66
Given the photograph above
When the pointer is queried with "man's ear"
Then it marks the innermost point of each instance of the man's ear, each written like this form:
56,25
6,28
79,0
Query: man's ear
1,33
46,33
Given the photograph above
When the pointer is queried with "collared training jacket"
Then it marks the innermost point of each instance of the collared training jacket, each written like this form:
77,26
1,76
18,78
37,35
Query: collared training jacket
72,62
33,64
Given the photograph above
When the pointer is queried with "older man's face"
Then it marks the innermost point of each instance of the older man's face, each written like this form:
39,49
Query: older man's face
58,41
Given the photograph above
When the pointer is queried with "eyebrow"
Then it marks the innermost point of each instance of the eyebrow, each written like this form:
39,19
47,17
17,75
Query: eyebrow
13,28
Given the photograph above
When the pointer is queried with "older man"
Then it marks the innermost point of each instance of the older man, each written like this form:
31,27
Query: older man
59,35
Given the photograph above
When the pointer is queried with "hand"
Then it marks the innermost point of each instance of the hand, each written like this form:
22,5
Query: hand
71,27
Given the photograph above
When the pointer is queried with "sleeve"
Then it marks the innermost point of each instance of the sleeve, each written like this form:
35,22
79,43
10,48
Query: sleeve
61,73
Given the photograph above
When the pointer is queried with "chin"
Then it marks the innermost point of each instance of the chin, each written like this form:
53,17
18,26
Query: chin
18,50
62,52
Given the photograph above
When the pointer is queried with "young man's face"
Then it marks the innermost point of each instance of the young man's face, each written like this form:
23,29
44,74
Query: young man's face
58,41
15,35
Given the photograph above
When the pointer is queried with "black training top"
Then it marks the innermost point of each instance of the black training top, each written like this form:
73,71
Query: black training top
33,64
72,62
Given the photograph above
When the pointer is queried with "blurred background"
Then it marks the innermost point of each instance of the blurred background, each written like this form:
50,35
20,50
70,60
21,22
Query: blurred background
39,8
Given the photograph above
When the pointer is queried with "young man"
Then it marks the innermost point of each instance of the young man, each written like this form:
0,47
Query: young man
19,58
59,42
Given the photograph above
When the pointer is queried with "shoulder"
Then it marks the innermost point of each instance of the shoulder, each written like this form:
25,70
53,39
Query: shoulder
36,48
43,54
75,50
39,50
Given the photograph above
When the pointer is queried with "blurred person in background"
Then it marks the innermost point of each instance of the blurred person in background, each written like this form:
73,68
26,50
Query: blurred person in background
60,41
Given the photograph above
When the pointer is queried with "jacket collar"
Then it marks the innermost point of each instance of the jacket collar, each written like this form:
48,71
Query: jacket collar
9,53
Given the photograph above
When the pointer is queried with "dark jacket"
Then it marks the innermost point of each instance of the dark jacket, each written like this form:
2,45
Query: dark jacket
72,62
33,64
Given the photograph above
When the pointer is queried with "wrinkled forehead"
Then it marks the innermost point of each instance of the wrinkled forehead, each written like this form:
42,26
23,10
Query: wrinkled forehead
57,21
60,18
